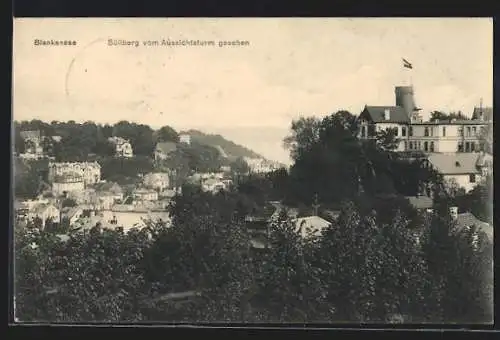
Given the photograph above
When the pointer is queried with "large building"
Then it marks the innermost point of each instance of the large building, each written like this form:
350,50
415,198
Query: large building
414,134
89,171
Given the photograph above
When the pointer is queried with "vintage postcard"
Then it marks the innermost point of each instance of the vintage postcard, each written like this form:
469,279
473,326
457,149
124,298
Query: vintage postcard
253,170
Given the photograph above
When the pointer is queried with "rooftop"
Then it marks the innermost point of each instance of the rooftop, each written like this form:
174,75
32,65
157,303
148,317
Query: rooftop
420,202
377,114
455,164
166,147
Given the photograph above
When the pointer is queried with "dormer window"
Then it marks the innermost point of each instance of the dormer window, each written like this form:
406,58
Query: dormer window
387,114
457,164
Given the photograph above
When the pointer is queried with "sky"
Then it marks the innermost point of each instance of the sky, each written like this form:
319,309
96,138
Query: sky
248,93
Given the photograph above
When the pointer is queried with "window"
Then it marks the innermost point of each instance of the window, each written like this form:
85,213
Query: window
444,131
396,131
363,131
460,147
467,147
432,146
419,146
411,145
426,132
461,131
403,131
426,146
406,146
472,178
410,131
472,147
468,131
474,130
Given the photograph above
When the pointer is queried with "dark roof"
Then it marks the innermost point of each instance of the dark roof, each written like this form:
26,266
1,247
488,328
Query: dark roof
377,114
420,202
166,147
487,112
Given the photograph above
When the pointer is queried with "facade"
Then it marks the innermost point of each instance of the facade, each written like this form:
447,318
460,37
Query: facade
157,181
259,165
145,195
67,183
464,170
123,148
89,171
163,150
32,140
44,212
416,135
110,187
185,138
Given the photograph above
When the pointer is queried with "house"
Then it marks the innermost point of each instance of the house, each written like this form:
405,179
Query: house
213,185
67,182
72,214
311,225
44,212
157,181
462,169
123,148
32,140
105,200
185,138
414,134
110,187
143,194
163,150
90,171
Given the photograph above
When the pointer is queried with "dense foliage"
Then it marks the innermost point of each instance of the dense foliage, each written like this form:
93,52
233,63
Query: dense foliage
360,270
380,260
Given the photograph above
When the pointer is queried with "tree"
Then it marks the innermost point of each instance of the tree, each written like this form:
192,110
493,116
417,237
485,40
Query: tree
438,115
304,133
166,134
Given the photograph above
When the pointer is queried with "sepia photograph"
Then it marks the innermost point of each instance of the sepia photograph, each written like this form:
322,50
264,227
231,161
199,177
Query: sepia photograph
252,170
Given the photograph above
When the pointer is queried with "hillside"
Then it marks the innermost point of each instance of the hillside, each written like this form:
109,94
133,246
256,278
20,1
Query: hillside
231,149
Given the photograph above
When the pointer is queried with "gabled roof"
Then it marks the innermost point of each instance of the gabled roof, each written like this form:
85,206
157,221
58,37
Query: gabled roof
467,219
69,212
487,112
166,147
40,208
315,224
377,114
455,164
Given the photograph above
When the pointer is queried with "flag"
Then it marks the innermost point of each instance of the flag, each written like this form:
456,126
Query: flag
407,64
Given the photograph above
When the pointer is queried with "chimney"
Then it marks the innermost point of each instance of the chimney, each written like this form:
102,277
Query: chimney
387,114
454,213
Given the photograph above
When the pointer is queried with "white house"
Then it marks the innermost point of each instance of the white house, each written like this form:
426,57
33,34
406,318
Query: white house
311,225
143,194
463,169
157,181
185,138
67,182
123,148
44,212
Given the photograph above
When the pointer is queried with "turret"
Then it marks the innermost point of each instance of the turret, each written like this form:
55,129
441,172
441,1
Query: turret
405,99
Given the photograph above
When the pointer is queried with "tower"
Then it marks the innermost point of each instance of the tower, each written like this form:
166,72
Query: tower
406,100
